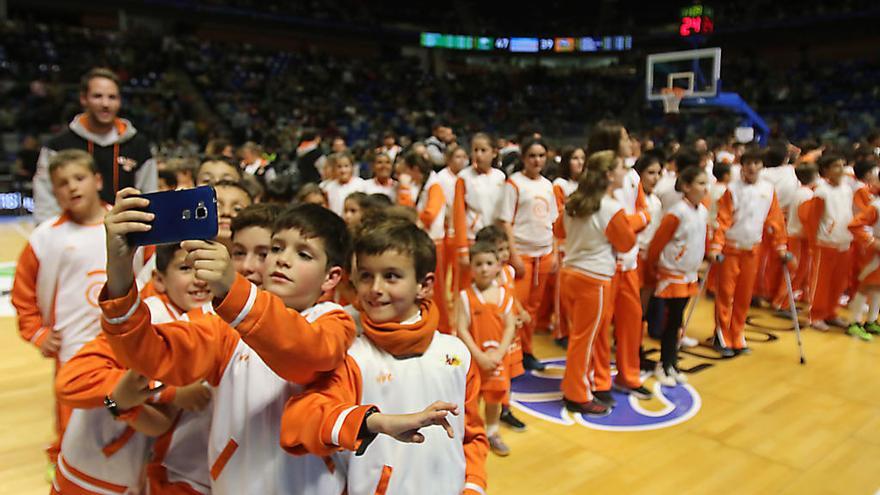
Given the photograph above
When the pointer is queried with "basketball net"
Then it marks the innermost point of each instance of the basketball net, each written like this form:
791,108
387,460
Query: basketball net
671,98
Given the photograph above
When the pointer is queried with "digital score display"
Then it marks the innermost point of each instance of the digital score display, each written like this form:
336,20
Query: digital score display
562,44
696,20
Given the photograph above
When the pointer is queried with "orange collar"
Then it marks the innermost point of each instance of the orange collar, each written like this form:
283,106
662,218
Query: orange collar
117,122
404,340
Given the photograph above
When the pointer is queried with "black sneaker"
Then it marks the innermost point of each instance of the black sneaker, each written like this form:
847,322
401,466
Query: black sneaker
530,362
639,392
561,342
512,421
604,396
744,350
726,352
592,408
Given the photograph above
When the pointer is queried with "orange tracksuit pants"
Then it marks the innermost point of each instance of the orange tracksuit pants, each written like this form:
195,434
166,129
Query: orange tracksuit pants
531,287
62,417
626,306
800,250
831,279
736,282
769,276
586,307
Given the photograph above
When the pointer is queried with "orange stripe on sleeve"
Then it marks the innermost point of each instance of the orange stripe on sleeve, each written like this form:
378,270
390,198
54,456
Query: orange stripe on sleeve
327,417
303,348
862,199
177,353
724,219
89,376
24,298
436,203
860,226
664,234
620,233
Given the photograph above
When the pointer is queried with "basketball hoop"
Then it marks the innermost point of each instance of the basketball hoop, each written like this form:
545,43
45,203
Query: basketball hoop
671,98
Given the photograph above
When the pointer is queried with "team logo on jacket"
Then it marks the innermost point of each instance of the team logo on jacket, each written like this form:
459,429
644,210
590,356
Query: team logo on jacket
127,164
453,360
538,394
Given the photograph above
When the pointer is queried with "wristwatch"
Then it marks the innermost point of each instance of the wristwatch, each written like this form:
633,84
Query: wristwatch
111,406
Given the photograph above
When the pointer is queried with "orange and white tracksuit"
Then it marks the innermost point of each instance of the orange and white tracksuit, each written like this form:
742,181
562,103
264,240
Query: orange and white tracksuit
716,190
529,206
562,189
397,368
486,325
626,294
447,180
430,203
99,454
865,228
388,188
745,212
57,279
179,465
830,213
590,263
336,192
253,368
678,249
665,189
643,238
785,184
860,256
800,248
477,203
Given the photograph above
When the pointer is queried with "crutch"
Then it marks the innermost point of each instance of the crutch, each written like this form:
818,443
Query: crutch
794,316
700,293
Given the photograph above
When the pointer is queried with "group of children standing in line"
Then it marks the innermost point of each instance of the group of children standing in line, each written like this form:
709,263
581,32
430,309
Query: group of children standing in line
311,348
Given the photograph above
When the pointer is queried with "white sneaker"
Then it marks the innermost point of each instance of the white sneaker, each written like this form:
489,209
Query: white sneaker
819,325
678,376
662,377
688,342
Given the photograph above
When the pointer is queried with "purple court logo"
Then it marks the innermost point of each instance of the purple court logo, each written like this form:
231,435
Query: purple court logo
537,393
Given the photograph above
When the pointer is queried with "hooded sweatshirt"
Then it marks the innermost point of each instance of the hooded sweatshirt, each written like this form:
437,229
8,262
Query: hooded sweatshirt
122,156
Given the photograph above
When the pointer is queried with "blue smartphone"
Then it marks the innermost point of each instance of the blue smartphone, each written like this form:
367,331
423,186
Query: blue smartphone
179,216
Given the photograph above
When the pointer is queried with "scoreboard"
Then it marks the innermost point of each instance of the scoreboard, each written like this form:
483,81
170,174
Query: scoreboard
696,20
565,44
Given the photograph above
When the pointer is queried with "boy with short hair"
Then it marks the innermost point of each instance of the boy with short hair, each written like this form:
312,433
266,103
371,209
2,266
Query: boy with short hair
252,374
61,269
232,197
831,211
487,326
494,235
215,170
798,243
252,239
400,364
746,211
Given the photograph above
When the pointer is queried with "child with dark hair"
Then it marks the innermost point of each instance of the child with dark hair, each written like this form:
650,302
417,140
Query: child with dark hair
253,367
674,256
486,324
831,211
423,376
746,211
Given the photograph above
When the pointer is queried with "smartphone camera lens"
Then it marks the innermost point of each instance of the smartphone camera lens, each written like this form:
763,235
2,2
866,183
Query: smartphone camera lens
201,212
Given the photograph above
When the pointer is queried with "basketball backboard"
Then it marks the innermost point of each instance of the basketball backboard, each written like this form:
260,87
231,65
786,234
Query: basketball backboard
697,72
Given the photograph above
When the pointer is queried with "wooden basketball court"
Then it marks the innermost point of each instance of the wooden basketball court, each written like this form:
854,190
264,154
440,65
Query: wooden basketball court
764,423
